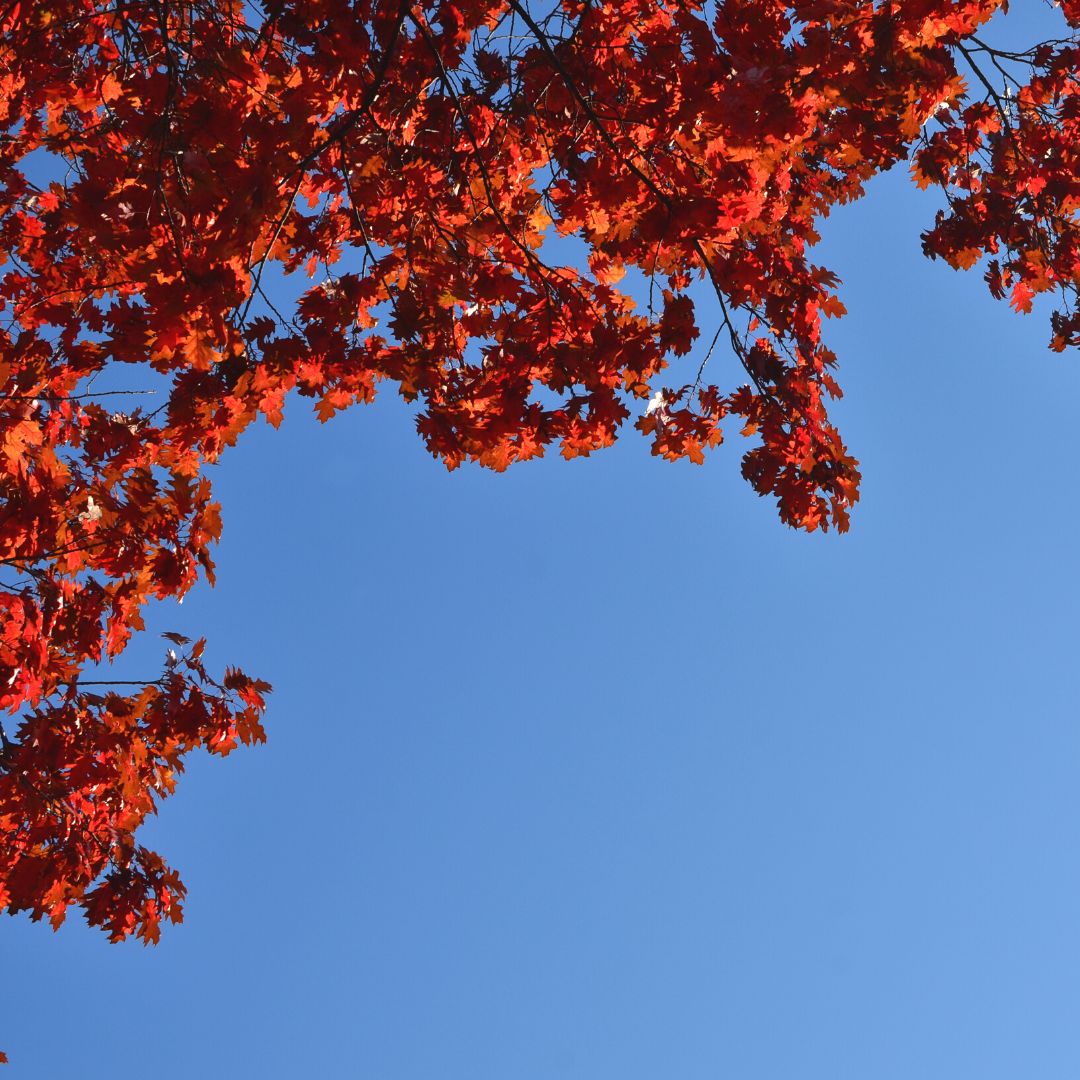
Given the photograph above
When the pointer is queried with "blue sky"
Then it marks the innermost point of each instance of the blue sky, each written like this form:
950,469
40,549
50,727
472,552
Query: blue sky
593,769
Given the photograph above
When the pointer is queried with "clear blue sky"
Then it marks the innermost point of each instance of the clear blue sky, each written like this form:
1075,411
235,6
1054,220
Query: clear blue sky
594,770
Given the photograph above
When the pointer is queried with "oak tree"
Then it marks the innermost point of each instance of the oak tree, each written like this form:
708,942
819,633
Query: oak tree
461,187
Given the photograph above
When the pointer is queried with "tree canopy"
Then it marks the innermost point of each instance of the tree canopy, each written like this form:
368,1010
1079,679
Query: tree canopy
504,210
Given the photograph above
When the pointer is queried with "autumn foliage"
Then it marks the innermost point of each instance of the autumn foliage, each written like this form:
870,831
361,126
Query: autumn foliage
501,209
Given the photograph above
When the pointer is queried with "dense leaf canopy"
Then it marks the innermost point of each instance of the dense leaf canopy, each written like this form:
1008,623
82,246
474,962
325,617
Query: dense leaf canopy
504,210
